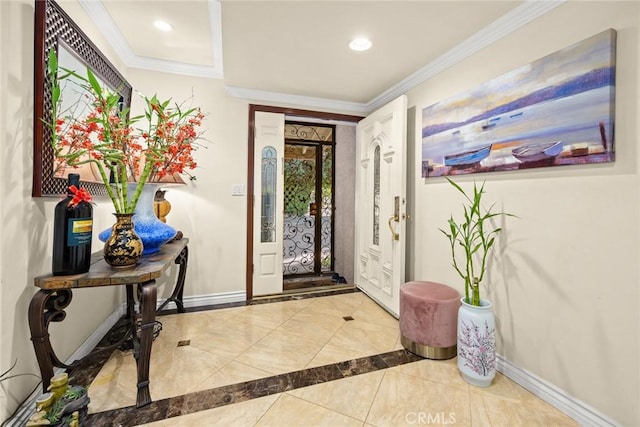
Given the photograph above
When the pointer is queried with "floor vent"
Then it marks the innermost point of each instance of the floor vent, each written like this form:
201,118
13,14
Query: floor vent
184,343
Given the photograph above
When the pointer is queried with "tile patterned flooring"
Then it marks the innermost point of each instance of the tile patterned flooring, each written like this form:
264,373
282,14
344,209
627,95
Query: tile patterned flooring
300,363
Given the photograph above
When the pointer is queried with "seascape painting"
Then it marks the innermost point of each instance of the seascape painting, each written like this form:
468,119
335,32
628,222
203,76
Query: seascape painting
558,110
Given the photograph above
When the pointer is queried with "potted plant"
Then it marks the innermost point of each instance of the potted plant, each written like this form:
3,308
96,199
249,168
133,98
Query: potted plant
95,130
471,239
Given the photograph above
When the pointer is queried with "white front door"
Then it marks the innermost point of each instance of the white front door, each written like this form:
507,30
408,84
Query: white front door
380,203
268,217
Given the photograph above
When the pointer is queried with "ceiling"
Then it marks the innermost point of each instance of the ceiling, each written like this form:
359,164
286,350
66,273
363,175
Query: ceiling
297,51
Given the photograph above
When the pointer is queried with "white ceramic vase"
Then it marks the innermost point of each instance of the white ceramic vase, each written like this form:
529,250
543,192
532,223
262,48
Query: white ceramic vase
476,343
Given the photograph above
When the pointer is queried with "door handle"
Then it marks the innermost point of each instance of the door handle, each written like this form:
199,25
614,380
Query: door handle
395,235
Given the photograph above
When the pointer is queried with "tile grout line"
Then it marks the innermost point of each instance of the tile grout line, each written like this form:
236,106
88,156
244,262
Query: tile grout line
322,406
375,396
268,409
248,390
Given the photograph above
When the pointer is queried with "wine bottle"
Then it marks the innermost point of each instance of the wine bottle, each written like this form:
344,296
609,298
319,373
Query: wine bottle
72,231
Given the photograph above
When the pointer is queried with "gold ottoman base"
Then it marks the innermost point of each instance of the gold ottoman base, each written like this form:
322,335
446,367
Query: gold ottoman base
429,352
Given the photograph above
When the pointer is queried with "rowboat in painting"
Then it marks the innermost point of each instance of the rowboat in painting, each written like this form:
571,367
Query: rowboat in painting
467,158
537,151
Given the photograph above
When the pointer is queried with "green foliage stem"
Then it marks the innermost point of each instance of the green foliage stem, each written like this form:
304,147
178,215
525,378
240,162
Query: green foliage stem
475,236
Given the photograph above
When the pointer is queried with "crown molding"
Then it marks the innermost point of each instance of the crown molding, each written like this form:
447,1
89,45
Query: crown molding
106,25
174,67
304,101
509,22
215,18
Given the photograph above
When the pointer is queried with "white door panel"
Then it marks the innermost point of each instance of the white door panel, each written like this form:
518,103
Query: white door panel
268,217
381,203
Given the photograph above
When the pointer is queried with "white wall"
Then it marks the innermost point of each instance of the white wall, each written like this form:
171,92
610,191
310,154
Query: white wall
345,200
204,209
564,279
25,223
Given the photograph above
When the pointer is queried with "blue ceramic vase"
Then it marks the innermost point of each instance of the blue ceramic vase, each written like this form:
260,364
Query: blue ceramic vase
153,232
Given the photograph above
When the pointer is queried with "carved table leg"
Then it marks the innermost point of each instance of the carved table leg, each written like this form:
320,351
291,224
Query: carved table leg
148,310
176,295
47,306
131,312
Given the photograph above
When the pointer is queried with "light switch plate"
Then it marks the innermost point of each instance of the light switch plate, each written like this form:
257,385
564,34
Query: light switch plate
238,190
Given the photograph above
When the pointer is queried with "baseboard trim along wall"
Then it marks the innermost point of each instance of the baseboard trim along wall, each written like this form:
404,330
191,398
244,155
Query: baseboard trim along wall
206,300
581,412
28,407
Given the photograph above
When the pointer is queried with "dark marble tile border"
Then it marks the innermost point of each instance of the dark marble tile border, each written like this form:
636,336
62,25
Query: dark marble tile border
236,393
265,300
88,368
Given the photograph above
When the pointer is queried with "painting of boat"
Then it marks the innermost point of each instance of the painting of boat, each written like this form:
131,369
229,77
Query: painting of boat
537,151
467,158
490,123
567,96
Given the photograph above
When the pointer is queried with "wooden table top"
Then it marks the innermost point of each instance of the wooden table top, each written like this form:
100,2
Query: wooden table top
101,274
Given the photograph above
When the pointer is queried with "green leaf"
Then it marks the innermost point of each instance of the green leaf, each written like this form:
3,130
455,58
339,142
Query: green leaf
52,62
55,94
490,242
457,186
476,236
95,84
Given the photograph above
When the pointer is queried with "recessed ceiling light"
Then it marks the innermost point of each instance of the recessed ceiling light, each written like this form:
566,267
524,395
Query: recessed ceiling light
162,26
360,44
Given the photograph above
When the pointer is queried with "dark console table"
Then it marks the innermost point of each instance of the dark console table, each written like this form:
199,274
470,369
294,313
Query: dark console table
48,305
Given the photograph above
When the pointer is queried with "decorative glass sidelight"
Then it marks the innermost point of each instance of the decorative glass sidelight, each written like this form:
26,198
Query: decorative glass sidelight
326,206
268,195
376,196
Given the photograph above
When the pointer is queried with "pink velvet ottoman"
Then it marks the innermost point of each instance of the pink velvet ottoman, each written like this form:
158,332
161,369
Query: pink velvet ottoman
428,319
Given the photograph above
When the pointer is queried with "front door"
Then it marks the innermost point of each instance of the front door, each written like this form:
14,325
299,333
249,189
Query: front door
308,201
268,218
381,204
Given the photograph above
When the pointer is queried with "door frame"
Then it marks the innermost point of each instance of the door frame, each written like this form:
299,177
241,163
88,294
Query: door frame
253,108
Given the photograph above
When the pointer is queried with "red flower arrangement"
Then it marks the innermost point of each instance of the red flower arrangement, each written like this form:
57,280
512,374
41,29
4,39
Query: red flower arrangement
105,136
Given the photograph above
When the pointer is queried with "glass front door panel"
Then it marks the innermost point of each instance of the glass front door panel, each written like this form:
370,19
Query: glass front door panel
300,210
376,196
327,210
268,195
309,197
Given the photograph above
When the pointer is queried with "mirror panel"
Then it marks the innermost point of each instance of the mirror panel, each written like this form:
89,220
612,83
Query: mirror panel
55,29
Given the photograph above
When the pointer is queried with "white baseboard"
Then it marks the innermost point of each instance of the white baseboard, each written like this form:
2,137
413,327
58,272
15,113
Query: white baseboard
581,412
206,300
574,408
29,405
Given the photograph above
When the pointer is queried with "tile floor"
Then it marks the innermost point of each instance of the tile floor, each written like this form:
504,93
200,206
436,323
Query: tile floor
236,371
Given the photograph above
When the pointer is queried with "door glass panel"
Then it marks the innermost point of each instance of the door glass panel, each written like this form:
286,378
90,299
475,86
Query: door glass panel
268,192
376,196
300,209
308,199
306,132
327,209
